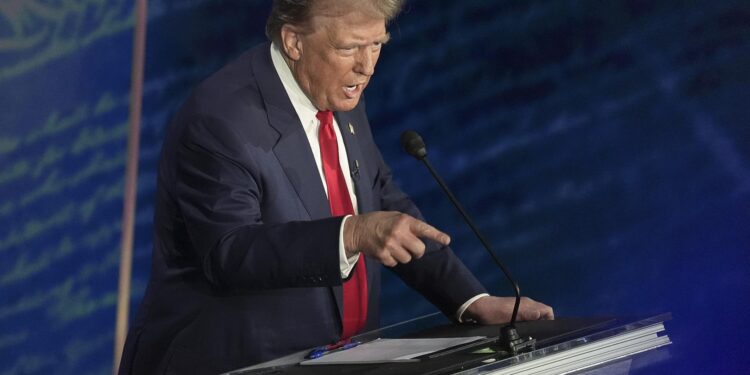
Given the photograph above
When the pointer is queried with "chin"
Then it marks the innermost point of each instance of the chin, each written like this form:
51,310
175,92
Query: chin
346,105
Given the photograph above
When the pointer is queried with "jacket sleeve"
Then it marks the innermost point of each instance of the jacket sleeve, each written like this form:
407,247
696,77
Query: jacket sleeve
218,199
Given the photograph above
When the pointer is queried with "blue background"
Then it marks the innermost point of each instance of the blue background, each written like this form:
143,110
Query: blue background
603,147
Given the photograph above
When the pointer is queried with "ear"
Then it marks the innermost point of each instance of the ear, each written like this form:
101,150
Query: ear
291,41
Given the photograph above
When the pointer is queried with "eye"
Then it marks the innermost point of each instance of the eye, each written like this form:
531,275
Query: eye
347,50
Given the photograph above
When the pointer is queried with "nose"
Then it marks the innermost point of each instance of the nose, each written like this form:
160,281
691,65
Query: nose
366,59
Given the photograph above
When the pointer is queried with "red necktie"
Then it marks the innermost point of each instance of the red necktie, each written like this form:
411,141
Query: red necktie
355,289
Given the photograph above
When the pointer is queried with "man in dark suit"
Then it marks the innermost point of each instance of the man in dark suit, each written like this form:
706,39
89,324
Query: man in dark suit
275,208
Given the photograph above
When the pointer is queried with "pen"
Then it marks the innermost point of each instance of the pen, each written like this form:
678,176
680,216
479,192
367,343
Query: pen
328,349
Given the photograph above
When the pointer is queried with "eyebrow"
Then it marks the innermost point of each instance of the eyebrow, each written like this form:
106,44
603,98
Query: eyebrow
383,40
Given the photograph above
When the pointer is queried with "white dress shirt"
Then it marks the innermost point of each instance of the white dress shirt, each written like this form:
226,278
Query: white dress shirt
307,112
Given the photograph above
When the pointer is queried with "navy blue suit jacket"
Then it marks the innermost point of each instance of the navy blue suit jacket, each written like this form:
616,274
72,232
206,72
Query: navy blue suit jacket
245,265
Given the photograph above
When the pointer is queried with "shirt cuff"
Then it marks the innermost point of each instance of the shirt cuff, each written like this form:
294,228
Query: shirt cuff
346,265
462,309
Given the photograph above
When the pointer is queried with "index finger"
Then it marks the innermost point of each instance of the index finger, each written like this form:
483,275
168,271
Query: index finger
424,230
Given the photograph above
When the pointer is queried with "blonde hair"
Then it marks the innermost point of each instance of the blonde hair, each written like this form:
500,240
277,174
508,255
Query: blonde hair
299,12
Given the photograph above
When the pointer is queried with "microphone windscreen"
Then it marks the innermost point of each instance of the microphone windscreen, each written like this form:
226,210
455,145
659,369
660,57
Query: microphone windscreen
413,144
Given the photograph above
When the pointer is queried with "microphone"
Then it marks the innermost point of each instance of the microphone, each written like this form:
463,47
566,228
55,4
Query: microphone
413,144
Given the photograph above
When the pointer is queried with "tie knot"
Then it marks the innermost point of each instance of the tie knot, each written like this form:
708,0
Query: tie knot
325,117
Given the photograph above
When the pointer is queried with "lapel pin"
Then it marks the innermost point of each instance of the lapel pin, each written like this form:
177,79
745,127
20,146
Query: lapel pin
351,128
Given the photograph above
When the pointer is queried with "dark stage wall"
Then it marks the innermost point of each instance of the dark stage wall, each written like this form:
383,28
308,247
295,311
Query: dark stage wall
603,146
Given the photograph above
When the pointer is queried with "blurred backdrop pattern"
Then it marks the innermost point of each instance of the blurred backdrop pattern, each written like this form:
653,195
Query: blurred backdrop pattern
603,147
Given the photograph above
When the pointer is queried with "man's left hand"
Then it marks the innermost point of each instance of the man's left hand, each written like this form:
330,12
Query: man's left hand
498,310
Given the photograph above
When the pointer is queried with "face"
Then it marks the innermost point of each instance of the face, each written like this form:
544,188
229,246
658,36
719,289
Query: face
334,59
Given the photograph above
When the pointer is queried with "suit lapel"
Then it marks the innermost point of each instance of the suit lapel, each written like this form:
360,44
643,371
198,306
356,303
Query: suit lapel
292,148
359,174
295,156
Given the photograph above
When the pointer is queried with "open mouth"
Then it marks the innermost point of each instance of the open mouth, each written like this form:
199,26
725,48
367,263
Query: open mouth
352,91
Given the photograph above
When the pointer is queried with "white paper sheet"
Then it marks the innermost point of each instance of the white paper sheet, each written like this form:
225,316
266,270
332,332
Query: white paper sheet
390,350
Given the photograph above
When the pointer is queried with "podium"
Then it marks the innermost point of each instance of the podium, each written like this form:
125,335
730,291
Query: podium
602,345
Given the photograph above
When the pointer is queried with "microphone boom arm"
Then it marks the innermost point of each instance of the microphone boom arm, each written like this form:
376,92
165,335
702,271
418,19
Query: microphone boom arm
479,235
509,339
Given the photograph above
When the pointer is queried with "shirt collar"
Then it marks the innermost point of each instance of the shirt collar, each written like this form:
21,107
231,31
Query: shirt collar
302,104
